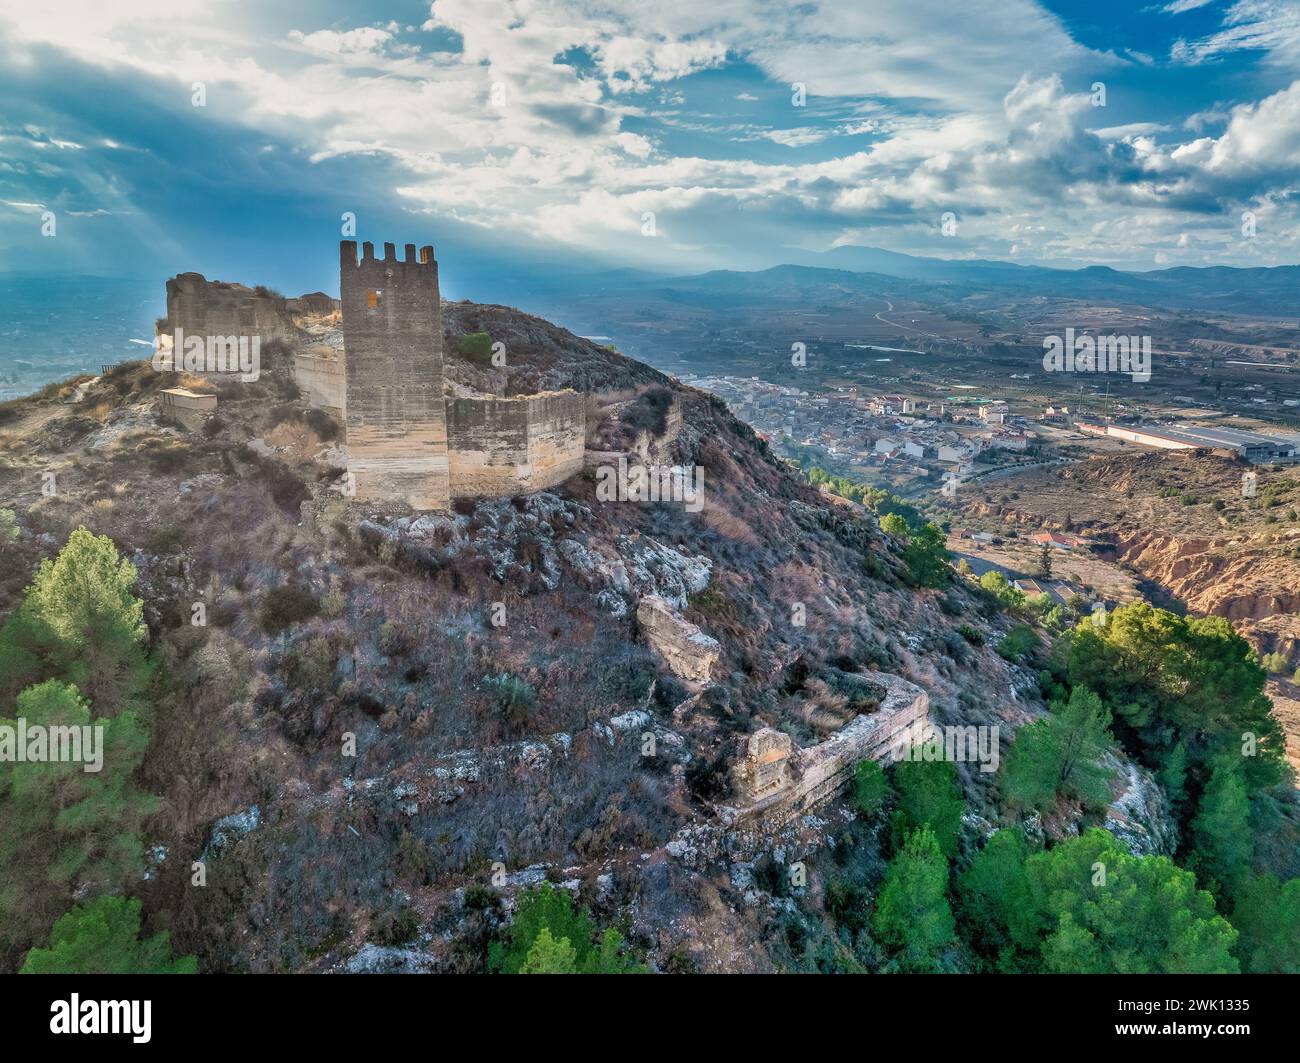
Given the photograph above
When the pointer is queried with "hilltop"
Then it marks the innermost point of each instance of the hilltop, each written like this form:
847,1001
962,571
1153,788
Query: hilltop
477,743
389,724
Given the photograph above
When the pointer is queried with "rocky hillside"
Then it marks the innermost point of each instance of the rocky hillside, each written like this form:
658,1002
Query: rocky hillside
385,711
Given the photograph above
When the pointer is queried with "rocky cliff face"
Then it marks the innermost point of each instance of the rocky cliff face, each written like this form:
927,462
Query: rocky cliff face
1241,578
1181,521
1140,815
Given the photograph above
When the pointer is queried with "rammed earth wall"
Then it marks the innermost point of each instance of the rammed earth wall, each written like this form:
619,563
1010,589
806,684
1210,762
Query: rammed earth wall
396,416
501,447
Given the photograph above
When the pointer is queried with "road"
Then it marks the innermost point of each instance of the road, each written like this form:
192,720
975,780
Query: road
994,474
889,307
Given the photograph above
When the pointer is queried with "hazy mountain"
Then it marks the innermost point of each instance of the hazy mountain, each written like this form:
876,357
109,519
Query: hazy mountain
1264,289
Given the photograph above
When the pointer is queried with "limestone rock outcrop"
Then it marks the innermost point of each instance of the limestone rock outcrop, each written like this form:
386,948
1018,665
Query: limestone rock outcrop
1140,815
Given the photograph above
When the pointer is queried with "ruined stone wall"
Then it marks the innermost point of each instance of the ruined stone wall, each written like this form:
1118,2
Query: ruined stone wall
827,768
395,412
319,372
775,781
216,308
499,447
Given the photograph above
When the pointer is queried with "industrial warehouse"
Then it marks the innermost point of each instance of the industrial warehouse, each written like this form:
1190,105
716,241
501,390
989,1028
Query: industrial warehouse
1251,446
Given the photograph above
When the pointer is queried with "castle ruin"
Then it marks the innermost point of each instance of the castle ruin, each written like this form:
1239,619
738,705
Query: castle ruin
381,375
221,308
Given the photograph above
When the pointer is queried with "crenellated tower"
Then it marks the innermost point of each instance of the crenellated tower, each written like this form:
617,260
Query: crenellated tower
392,338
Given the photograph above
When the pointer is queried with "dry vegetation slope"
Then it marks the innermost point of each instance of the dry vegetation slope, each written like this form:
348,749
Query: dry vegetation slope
474,743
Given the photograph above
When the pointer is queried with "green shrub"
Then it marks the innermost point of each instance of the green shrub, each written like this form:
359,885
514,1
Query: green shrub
1018,643
649,411
1000,587
512,698
1275,663
164,540
476,347
103,937
396,926
549,935
870,787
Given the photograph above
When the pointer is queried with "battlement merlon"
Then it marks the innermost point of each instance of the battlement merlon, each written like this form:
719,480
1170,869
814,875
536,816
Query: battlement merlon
411,260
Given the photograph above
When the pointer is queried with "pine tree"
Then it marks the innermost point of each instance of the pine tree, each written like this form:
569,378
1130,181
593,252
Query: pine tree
1061,756
912,916
90,822
870,787
1267,915
549,956
928,797
103,937
80,622
1221,830
1108,911
994,900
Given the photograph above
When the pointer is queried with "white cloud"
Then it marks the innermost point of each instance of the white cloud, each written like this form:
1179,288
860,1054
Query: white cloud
995,136
794,138
366,40
1270,26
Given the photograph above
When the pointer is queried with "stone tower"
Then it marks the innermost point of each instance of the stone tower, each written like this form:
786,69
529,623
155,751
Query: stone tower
392,339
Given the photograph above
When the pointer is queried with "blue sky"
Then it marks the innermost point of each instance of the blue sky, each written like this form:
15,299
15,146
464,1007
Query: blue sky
517,133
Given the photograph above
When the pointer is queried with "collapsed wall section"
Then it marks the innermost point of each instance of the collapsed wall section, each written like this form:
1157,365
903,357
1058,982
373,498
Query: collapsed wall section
320,373
505,446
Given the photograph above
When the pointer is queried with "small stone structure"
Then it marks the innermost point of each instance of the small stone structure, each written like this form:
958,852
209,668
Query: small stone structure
775,781
765,769
190,408
321,376
687,650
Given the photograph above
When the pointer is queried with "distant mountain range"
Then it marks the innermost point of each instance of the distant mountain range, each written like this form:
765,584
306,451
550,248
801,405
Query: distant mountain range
1276,287
816,276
